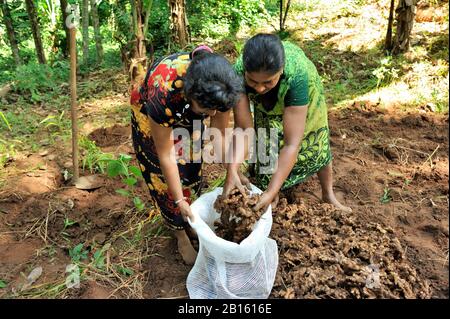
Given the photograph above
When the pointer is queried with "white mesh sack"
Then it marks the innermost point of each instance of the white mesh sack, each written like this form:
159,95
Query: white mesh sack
224,269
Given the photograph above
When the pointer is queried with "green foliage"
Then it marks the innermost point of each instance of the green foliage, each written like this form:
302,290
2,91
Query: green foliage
20,121
98,259
386,198
35,80
78,253
5,120
56,122
92,157
68,223
386,72
124,271
130,175
2,284
158,26
216,18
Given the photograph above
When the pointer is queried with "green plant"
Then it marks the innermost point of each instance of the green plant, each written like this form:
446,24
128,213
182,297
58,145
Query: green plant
35,80
56,123
216,18
385,72
68,223
78,253
386,198
124,271
130,175
98,259
92,157
2,284
5,120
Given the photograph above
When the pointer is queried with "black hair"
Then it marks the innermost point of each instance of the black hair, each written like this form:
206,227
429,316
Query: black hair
263,53
212,82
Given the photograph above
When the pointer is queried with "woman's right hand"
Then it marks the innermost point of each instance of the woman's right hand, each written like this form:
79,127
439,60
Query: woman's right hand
235,178
186,211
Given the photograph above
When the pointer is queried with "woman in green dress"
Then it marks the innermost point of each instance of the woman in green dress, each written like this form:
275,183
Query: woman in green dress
288,97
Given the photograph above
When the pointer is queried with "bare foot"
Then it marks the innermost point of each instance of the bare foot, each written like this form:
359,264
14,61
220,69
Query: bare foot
331,199
185,247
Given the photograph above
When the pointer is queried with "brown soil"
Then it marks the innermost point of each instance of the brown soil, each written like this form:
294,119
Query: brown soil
402,236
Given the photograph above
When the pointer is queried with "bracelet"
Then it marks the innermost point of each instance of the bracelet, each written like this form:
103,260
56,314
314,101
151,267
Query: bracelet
180,200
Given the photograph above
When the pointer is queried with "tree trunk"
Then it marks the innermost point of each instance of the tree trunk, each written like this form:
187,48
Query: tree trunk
10,31
406,11
178,22
288,5
139,58
85,30
281,15
98,36
147,10
64,15
31,9
388,41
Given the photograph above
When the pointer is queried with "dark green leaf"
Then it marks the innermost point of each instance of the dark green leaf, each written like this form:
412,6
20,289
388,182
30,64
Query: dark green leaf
135,171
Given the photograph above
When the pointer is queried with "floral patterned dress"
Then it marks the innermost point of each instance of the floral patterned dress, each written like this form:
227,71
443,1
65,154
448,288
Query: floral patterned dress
161,98
299,85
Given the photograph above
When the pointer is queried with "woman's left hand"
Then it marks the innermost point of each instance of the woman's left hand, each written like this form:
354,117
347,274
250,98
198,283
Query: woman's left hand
265,200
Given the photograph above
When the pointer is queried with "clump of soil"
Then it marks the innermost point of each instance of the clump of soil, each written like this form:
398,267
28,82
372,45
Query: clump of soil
237,215
326,253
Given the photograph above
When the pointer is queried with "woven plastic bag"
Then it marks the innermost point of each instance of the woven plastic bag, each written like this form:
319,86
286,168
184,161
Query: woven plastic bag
227,270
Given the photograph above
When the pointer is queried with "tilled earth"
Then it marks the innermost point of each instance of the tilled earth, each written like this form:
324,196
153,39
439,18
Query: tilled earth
391,168
327,253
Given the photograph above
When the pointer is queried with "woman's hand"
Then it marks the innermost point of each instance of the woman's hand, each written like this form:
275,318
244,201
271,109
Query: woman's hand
186,211
235,178
266,199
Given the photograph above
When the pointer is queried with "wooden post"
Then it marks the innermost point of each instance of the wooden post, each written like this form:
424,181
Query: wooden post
73,93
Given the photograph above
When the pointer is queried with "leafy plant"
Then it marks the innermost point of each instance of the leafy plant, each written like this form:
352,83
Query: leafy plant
78,253
5,120
386,198
2,284
92,157
35,80
56,123
124,271
68,223
385,72
130,175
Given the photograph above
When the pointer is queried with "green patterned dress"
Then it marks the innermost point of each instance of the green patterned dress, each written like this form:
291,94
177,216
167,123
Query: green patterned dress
299,85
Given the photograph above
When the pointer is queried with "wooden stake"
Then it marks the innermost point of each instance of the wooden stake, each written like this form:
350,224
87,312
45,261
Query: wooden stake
73,93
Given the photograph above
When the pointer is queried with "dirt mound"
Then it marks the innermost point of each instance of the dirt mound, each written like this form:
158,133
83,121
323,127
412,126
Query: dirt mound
109,136
325,253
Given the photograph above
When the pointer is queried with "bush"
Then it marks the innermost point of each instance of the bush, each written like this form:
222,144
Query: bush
216,18
34,79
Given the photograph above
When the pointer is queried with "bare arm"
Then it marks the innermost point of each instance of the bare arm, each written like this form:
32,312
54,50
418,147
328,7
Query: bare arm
294,120
220,121
242,120
162,136
240,145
